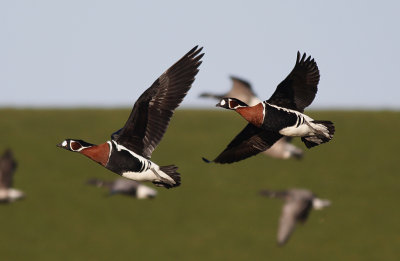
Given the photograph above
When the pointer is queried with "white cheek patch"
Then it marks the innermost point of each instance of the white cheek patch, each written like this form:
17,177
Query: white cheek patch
223,102
64,143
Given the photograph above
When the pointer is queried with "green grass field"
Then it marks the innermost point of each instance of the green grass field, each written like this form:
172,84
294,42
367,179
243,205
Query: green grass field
216,214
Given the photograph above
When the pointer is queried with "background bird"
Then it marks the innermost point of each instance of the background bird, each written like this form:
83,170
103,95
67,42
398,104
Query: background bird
280,115
126,187
242,90
8,165
297,207
129,151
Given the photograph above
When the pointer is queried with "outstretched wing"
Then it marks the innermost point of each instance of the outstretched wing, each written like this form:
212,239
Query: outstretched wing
287,222
249,142
299,88
153,110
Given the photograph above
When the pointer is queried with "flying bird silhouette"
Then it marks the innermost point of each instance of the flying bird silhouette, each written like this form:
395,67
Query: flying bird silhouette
281,115
297,207
242,90
129,151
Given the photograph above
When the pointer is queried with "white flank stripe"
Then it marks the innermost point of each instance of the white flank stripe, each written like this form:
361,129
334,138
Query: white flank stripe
149,167
147,175
263,104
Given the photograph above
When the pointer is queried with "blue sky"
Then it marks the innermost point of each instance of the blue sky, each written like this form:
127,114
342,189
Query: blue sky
106,53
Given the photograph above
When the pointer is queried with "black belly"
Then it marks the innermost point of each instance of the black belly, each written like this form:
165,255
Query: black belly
122,161
276,119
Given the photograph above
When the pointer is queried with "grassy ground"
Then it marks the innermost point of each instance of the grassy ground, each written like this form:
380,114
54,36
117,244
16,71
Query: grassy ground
216,214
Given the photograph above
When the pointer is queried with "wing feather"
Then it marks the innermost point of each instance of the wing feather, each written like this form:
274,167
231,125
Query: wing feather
249,142
153,110
299,88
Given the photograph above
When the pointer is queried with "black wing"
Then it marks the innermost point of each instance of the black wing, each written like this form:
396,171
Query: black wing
249,142
8,166
153,110
299,88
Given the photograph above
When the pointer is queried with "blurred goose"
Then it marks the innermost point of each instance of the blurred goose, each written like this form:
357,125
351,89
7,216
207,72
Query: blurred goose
297,207
242,90
8,165
126,187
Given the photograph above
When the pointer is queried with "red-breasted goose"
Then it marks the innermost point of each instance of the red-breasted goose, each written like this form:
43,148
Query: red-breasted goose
129,151
242,90
281,115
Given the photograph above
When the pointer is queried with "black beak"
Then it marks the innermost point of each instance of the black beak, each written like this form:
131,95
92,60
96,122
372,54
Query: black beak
59,145
218,105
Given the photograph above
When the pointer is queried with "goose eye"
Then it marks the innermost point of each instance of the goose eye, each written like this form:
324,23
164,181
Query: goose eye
64,143
223,102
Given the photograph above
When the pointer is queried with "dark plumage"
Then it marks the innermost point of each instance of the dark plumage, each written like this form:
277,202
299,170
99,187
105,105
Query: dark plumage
153,110
242,90
279,116
249,142
129,151
299,88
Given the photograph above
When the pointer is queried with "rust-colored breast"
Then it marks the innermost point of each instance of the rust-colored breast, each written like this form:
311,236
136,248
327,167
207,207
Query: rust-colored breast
98,153
253,114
